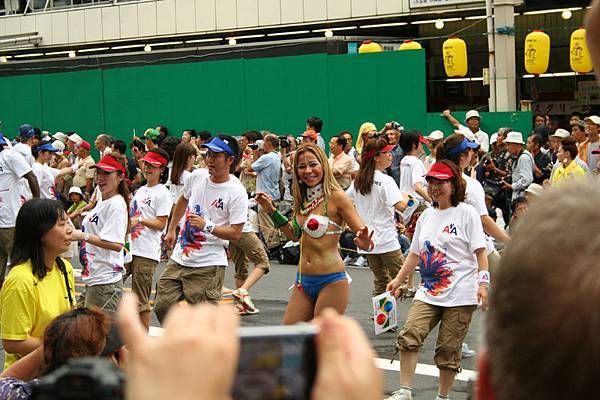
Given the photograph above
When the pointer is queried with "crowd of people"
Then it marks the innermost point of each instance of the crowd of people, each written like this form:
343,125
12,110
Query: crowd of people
445,205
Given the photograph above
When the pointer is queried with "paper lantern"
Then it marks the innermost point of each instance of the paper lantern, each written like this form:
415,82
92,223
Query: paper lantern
369,46
537,52
410,45
579,54
455,57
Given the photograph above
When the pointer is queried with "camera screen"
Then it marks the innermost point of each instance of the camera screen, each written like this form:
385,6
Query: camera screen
275,368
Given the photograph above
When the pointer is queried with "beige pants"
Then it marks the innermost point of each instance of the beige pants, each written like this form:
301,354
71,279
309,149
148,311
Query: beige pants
248,248
271,235
6,245
385,267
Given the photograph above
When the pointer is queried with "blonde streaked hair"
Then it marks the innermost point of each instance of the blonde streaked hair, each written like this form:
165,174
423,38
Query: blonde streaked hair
364,129
299,188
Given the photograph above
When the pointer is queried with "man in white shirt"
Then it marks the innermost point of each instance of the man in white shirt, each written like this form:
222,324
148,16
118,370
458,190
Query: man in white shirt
473,121
102,144
340,162
316,124
13,167
27,141
215,206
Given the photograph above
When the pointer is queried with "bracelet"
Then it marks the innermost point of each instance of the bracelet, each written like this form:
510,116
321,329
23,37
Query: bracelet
86,236
484,278
209,226
279,219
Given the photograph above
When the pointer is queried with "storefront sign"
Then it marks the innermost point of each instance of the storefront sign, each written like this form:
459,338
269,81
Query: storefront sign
439,3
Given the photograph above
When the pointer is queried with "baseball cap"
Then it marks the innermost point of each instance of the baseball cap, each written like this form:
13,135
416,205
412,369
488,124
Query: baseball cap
84,145
462,146
594,118
29,134
441,171
2,140
535,189
311,134
47,147
60,136
561,133
580,123
423,139
436,135
75,138
260,144
24,129
151,134
219,145
109,164
155,159
493,138
75,189
60,146
471,114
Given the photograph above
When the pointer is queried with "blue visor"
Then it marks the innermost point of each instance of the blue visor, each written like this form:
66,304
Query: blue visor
2,140
47,147
219,146
462,146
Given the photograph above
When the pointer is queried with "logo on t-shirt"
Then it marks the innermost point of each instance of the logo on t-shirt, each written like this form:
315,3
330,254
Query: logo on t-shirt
135,212
190,237
94,219
451,230
218,203
146,201
435,273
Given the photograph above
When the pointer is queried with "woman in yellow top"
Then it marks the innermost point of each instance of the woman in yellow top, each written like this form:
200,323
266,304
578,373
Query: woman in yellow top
568,168
40,284
321,207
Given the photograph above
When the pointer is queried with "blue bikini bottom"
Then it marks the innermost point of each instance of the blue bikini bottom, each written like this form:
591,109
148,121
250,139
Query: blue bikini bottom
312,284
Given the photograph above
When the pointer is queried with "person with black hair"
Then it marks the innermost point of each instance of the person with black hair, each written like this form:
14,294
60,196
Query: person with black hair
120,147
148,215
215,206
188,135
541,162
40,284
316,124
202,138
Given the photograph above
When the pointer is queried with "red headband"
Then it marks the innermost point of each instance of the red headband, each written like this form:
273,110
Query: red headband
109,164
155,159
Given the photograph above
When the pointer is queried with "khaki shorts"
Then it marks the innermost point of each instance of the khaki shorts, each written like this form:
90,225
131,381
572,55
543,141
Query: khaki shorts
385,267
192,284
248,248
106,297
141,270
454,324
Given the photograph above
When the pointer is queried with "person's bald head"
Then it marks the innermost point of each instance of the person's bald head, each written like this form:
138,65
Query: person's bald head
542,327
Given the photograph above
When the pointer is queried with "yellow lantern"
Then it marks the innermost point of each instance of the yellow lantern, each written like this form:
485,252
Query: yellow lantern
410,45
368,46
579,54
537,52
455,57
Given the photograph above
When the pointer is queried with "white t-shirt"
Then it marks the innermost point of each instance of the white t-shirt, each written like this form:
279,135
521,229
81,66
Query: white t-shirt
445,241
45,176
224,204
412,171
148,202
108,220
25,151
377,211
177,189
475,196
12,168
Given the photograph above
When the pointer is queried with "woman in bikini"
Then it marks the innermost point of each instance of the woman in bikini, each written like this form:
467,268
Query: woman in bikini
320,209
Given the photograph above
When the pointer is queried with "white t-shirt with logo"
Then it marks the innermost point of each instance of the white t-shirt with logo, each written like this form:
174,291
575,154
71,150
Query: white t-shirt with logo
148,203
377,211
108,220
475,196
177,189
412,171
12,168
224,204
45,176
445,241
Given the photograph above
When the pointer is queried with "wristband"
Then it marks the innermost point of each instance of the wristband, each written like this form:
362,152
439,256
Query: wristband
86,237
279,219
140,220
209,226
484,278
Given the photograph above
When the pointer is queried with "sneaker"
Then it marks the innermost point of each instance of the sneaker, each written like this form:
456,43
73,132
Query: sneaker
440,397
362,262
348,260
401,394
410,293
242,297
467,352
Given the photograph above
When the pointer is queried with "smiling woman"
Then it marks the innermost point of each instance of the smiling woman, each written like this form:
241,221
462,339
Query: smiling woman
40,284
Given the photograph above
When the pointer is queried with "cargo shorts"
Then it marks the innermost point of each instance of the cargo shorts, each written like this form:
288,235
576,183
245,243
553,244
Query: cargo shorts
141,270
454,324
248,248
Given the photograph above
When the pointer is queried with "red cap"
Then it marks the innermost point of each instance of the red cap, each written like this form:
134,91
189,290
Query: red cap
155,159
372,153
440,171
85,145
311,134
423,140
109,164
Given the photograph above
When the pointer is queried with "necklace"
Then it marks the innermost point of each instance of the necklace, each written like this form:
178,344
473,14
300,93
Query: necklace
311,206
314,192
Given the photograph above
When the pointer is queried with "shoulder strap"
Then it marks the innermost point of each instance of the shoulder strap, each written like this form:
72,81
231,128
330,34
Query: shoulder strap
65,276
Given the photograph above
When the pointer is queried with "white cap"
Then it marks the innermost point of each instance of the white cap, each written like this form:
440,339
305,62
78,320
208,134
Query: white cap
75,138
493,138
514,137
260,143
471,114
57,144
594,118
436,135
561,133
535,189
60,136
75,189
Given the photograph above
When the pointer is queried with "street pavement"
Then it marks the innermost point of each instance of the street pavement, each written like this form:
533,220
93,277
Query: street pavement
270,295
